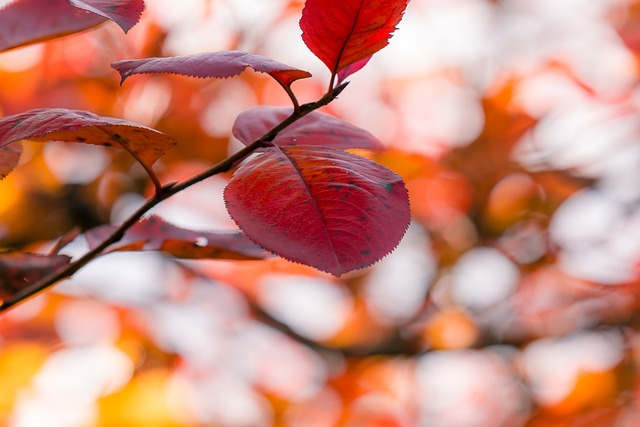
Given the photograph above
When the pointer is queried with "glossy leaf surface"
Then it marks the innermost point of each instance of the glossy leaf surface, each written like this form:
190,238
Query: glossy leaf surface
345,32
58,124
327,208
155,234
18,270
312,129
24,22
223,64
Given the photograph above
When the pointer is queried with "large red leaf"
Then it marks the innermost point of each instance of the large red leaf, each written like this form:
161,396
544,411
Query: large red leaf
58,124
19,270
125,13
30,21
223,64
344,32
313,129
155,234
327,208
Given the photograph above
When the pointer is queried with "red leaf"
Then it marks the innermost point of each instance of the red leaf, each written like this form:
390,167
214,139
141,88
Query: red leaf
125,13
58,124
24,22
318,206
223,64
9,158
312,129
350,69
343,32
155,234
19,270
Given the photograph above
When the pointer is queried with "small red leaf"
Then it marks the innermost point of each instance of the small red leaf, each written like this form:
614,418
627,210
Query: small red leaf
9,158
58,124
350,69
313,129
223,64
318,206
19,270
343,32
155,234
125,13
24,22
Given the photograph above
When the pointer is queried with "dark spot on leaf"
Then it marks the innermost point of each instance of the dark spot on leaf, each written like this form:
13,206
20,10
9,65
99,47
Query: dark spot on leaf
387,186
365,251
81,139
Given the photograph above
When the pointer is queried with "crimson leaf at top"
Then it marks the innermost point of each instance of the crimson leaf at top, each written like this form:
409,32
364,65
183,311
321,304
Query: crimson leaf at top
59,124
326,208
342,33
24,22
313,129
223,64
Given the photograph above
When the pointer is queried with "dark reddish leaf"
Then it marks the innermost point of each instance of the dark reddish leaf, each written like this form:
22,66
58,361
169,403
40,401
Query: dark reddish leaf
312,129
58,124
125,13
66,239
30,21
345,32
9,158
19,270
223,64
155,234
318,206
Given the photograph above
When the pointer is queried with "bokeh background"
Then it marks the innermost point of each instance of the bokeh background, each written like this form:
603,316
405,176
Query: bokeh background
513,299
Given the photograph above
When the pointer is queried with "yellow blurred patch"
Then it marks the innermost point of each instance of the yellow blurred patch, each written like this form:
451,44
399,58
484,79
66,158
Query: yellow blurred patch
19,362
142,403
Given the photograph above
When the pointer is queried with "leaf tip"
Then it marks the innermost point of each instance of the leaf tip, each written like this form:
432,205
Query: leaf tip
338,89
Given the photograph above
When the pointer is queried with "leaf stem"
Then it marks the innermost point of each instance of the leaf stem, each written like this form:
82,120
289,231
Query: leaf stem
123,142
292,96
331,82
161,194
